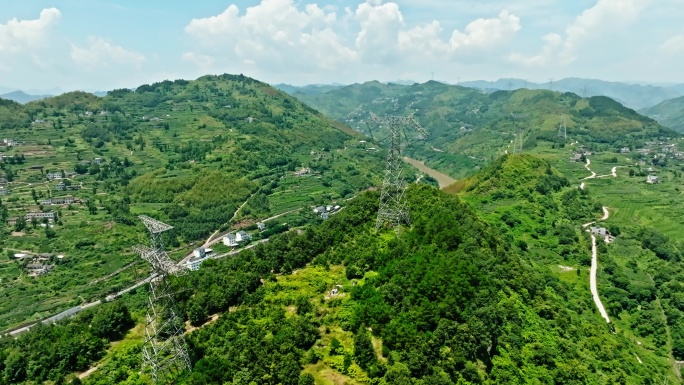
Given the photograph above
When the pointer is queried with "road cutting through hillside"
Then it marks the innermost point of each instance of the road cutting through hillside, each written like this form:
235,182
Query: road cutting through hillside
593,287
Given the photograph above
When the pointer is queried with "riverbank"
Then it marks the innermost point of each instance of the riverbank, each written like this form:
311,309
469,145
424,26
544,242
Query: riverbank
443,179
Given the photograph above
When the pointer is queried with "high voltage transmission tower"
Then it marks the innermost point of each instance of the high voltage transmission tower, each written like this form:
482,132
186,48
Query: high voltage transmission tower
518,143
393,210
164,350
563,129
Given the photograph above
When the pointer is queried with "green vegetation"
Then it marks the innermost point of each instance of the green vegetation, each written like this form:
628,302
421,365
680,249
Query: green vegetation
186,152
489,285
52,352
469,129
668,113
447,301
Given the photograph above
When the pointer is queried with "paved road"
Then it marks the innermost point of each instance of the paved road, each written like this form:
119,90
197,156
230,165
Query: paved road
594,252
592,280
75,310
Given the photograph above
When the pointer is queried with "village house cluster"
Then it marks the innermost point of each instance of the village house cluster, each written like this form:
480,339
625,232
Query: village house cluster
326,211
43,218
38,264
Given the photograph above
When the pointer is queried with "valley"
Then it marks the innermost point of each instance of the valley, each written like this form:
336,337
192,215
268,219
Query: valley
512,270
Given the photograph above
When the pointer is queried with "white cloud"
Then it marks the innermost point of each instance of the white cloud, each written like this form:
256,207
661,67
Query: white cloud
674,45
479,36
604,18
380,25
100,53
274,32
19,35
279,36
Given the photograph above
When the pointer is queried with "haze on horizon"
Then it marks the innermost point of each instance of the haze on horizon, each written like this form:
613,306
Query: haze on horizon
103,45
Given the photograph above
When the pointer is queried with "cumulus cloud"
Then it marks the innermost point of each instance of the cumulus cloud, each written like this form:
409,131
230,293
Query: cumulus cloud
100,53
479,36
18,35
275,31
285,35
591,24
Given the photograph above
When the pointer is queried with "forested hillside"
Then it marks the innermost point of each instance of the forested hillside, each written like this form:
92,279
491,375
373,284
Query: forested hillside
208,155
469,128
452,300
669,113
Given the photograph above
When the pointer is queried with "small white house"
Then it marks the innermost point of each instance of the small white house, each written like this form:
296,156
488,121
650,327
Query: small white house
200,252
652,179
602,231
242,236
194,263
261,226
230,240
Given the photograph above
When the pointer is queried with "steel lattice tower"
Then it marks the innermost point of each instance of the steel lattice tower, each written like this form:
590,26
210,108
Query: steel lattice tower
164,350
393,208
563,129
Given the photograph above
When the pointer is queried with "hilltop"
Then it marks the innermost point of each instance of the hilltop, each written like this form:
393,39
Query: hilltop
669,113
469,128
211,154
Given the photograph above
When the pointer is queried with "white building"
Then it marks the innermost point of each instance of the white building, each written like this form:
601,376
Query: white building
230,240
242,236
261,226
652,179
200,252
602,231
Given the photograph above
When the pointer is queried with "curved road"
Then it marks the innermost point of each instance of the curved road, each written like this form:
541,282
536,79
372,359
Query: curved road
594,250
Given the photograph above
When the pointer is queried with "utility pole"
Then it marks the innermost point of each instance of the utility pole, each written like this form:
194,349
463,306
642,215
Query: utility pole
584,91
393,209
164,351
551,84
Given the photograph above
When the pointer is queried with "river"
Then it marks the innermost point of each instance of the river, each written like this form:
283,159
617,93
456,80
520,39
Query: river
443,179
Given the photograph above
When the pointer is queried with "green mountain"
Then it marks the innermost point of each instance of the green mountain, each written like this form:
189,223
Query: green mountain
669,113
634,96
310,89
207,155
468,128
467,295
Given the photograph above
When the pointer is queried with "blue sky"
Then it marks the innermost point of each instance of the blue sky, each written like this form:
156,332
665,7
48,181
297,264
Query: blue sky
100,45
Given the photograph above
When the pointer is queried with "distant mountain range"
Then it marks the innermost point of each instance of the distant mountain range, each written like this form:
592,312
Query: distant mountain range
635,96
22,97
